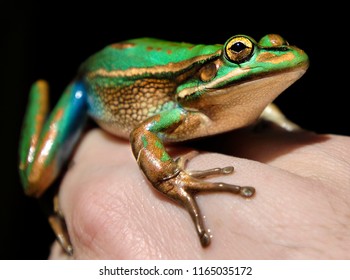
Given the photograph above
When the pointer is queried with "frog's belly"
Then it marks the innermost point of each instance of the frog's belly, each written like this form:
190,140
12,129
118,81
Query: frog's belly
115,128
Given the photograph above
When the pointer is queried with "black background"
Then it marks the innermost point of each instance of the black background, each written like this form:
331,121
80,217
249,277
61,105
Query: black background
38,41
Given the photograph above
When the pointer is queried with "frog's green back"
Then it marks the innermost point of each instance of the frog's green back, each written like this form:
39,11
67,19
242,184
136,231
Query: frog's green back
149,53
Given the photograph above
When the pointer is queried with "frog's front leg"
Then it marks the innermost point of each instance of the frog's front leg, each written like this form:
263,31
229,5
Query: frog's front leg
168,176
273,114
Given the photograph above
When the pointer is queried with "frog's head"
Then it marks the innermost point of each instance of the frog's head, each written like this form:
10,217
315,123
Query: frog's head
238,83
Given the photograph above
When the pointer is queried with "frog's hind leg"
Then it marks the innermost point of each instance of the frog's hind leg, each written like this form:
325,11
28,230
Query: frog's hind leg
58,225
35,117
47,142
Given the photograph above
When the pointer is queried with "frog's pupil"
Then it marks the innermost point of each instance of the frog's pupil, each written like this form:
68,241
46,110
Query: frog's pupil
238,46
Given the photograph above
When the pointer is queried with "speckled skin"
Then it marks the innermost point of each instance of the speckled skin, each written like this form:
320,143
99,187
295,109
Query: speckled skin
153,91
117,109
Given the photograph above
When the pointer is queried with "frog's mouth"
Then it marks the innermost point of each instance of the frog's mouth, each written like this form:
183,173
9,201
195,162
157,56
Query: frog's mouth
262,84
261,88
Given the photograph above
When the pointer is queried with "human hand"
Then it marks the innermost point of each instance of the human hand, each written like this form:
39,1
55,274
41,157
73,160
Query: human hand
300,210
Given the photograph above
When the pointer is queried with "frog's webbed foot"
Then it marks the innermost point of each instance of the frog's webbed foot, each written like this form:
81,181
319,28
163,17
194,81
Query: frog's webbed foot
186,184
58,225
244,191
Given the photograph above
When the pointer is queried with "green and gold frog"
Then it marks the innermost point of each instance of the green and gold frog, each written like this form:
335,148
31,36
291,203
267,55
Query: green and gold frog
154,92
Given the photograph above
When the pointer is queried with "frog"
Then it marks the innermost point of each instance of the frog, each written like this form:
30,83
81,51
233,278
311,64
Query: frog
156,92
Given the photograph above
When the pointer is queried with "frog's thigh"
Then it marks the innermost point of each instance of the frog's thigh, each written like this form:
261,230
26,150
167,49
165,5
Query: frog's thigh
273,114
43,160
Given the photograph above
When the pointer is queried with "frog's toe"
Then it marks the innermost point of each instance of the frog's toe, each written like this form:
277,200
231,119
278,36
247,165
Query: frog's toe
227,170
247,191
200,174
205,239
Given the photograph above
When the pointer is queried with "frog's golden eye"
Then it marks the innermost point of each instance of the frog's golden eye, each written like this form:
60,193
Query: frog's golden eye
239,49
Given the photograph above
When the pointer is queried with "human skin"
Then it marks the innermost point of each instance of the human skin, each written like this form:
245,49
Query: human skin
301,209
